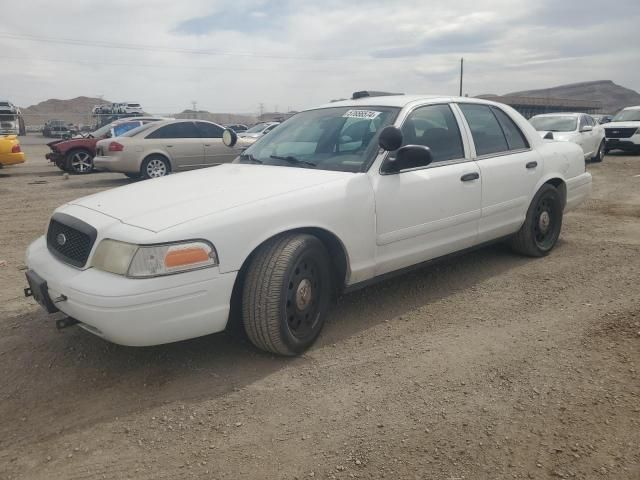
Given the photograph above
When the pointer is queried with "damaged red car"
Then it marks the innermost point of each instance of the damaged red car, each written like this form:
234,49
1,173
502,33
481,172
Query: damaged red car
75,155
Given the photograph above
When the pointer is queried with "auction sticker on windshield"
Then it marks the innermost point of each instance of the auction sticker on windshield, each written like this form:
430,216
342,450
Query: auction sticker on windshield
370,114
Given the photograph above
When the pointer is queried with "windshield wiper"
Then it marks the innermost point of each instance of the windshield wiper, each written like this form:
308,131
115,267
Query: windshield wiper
250,157
293,160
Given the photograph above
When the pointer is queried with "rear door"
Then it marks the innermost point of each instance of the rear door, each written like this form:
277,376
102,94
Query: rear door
215,152
509,169
182,143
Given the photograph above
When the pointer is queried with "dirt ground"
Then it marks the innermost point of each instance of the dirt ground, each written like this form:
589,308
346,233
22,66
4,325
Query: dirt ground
485,366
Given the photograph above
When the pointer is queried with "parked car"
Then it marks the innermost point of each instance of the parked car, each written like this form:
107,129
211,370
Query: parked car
9,118
10,152
258,130
623,132
128,107
55,128
578,128
334,199
237,127
156,150
75,155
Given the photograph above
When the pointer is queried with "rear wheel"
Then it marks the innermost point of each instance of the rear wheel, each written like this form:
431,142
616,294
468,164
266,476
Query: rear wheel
155,166
599,156
79,161
286,294
541,229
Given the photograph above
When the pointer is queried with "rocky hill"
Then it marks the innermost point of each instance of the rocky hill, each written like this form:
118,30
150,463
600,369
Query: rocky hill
76,110
613,97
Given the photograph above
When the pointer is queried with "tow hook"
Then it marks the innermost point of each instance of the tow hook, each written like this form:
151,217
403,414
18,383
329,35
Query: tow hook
66,323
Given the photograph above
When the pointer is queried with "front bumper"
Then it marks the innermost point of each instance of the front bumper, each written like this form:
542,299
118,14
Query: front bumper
54,157
627,144
11,158
136,312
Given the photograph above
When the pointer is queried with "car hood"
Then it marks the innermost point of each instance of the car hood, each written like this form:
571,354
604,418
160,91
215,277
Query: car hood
249,135
614,125
561,136
162,203
65,145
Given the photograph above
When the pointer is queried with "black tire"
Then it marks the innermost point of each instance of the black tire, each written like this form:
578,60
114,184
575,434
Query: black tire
151,167
79,161
541,228
286,294
600,153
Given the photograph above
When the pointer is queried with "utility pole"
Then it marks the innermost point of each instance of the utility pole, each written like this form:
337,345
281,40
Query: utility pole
261,109
461,73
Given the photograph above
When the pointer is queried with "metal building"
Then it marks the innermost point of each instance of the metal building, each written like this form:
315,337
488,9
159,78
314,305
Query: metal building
530,106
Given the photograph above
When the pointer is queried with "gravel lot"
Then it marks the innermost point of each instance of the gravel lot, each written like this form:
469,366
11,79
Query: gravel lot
486,366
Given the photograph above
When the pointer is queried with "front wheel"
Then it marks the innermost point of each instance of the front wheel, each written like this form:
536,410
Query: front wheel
286,294
79,161
154,166
541,229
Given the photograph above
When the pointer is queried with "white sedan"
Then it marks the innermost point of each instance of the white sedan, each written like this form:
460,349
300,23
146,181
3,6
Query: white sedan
335,198
578,128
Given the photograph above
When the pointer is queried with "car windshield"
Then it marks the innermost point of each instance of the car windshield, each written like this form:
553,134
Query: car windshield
257,128
338,138
555,124
102,131
627,116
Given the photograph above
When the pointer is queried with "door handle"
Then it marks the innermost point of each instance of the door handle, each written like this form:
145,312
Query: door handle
169,146
468,177
207,144
533,164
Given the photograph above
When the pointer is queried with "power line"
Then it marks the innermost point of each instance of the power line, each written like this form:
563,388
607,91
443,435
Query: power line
157,48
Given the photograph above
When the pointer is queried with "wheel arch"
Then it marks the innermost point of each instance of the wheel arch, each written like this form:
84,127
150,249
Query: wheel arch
339,262
561,186
157,153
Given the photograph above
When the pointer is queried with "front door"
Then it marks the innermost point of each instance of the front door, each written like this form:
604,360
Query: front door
215,152
182,142
428,212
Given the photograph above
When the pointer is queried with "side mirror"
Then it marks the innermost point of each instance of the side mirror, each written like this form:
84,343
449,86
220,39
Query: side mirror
586,128
548,136
409,156
229,137
390,138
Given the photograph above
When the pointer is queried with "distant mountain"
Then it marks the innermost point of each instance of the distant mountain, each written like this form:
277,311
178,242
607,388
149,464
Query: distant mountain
613,97
76,110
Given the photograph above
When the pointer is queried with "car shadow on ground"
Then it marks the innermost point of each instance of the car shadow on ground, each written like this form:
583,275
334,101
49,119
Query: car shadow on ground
80,379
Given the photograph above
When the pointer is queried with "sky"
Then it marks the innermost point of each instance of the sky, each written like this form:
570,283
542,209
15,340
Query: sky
232,56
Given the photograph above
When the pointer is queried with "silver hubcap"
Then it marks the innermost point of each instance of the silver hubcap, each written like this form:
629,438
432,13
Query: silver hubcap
156,168
81,162
544,221
303,294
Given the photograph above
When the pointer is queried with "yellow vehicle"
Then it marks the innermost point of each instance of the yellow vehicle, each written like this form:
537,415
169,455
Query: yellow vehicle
10,152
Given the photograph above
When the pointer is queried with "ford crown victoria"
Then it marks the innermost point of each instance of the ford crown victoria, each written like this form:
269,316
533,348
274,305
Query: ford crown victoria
335,198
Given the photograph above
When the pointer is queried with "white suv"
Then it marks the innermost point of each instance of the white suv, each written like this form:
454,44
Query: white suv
623,132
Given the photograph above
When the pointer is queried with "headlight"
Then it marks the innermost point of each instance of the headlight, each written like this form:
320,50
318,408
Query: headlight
143,261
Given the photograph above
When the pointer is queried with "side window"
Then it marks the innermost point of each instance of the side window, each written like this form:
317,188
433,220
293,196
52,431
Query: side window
515,138
124,127
176,130
209,130
583,122
590,121
488,136
436,127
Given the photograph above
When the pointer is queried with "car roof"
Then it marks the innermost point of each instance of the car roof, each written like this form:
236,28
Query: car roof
401,101
635,107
